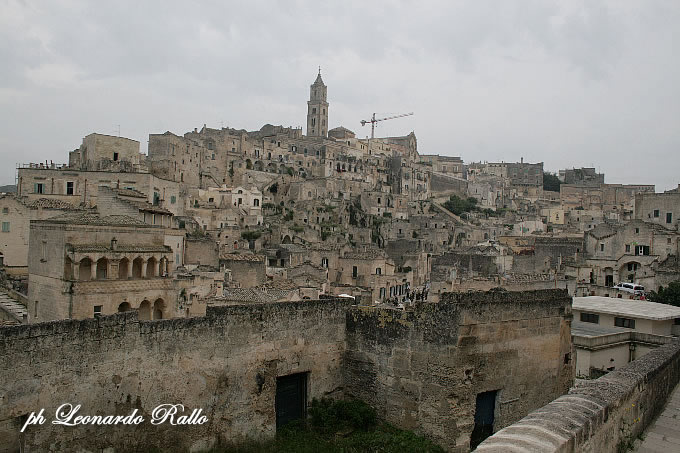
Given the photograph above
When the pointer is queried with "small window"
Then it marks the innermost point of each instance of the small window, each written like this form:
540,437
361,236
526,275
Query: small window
173,199
378,271
590,317
38,188
5,227
35,309
656,213
601,247
637,230
5,210
355,272
627,248
624,322
97,311
324,263
669,217
69,188
115,156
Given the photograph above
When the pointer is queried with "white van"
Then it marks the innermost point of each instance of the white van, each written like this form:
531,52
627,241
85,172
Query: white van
631,288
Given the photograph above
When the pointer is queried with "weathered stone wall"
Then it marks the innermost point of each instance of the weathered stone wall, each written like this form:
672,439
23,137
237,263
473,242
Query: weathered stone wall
225,363
201,251
602,415
423,369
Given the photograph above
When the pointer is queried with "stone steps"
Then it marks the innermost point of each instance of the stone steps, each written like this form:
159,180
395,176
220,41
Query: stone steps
12,306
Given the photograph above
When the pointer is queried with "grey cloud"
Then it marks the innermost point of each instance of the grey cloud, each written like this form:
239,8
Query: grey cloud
568,83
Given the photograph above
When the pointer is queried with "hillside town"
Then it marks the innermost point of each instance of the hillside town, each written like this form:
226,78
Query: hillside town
454,296
222,216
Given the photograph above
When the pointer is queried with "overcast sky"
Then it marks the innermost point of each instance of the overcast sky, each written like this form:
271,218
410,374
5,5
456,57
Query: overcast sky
569,83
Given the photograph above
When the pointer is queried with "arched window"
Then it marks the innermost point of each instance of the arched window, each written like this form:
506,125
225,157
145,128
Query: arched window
85,269
145,310
137,265
123,268
158,309
102,269
151,267
123,307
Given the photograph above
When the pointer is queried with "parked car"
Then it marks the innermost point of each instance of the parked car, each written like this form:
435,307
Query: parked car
632,288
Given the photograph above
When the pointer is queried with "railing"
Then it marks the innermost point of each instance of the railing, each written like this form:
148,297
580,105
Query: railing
43,166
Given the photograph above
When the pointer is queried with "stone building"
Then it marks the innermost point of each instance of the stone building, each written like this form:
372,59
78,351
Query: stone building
444,164
16,214
317,109
107,153
629,253
84,265
586,176
81,186
431,369
247,270
660,208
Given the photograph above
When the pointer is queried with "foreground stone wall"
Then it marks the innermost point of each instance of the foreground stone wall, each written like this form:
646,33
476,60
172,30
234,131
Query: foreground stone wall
423,369
225,363
603,415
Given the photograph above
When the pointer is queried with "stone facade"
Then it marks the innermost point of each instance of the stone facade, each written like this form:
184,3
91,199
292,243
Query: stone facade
420,369
226,363
85,265
423,369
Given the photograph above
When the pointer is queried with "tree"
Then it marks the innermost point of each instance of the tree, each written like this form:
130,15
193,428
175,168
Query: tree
459,205
251,235
551,182
669,295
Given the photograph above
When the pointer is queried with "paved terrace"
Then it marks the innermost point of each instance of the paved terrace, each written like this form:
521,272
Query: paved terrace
663,436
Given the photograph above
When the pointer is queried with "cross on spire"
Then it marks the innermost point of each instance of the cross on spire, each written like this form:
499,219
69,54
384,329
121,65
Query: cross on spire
319,70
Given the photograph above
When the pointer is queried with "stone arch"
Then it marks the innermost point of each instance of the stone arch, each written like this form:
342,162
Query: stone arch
123,268
144,310
151,265
137,266
85,269
259,165
68,269
163,267
123,307
102,268
158,308
286,239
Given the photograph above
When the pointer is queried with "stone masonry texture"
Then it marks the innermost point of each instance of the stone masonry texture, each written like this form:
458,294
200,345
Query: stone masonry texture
421,369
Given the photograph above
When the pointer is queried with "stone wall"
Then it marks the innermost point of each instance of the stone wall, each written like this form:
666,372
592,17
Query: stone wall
422,369
602,415
201,251
225,363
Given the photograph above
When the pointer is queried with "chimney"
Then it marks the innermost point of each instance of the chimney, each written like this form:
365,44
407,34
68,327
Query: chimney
521,161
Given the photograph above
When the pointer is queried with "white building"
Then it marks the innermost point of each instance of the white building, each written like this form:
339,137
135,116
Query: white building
610,332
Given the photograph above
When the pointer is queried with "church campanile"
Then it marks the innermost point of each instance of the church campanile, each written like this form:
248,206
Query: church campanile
317,109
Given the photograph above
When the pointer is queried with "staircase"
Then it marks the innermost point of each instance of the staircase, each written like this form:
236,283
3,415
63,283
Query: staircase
13,310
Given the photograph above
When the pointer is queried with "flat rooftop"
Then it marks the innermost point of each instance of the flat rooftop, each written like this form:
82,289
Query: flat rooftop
589,329
640,309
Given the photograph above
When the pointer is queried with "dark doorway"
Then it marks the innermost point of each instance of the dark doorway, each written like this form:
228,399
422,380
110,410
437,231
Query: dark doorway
484,410
291,398
608,280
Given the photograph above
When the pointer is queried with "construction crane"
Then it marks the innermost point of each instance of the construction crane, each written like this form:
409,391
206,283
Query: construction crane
373,120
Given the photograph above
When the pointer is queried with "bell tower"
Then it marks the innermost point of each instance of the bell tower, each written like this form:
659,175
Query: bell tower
317,109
